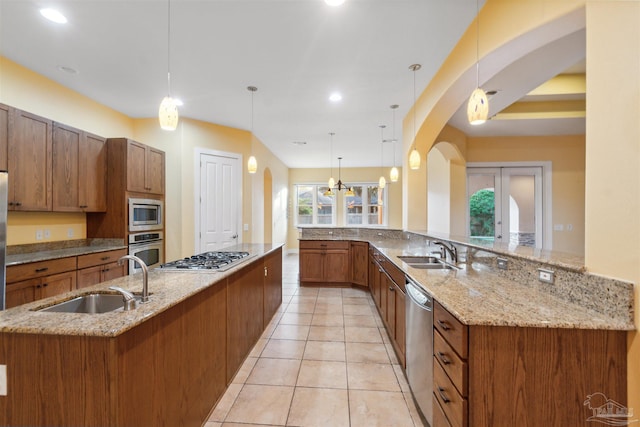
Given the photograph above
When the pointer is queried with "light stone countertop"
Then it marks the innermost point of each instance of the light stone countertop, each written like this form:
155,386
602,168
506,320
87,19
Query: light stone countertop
166,288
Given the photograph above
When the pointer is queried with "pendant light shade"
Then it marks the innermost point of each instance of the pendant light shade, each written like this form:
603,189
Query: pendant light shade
382,182
252,165
168,111
168,114
414,157
478,107
394,174
331,183
349,192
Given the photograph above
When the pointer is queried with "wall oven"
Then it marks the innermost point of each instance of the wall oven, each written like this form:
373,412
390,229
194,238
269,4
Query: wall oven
145,214
148,247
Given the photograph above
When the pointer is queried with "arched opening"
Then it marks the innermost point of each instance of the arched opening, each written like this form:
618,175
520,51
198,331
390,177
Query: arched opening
446,189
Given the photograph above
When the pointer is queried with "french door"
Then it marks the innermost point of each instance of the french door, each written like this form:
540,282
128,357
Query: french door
505,205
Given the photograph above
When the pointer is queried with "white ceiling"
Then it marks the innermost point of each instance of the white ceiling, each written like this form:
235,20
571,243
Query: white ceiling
295,51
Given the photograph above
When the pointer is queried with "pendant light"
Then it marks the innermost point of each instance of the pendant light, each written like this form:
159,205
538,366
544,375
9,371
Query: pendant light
478,105
252,163
382,182
414,157
168,111
394,174
340,186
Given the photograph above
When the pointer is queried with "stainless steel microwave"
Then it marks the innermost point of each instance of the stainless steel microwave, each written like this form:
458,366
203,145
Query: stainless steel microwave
145,214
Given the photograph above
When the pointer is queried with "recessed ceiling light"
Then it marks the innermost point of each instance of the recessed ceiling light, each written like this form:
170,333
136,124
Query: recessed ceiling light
68,70
300,143
334,2
335,97
53,15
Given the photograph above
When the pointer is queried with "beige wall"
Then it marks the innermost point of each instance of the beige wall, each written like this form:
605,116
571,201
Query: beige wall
349,176
567,154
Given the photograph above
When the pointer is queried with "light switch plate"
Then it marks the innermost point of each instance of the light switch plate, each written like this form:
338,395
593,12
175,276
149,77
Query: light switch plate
546,276
3,380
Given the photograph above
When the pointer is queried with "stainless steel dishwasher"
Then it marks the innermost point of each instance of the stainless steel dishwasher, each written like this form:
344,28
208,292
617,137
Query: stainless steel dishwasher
419,351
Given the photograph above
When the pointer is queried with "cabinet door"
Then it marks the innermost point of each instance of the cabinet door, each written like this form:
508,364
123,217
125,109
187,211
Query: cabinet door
272,284
93,173
374,279
154,171
391,306
89,276
384,294
29,164
4,135
113,271
58,284
66,146
336,266
359,263
21,292
401,323
311,265
136,160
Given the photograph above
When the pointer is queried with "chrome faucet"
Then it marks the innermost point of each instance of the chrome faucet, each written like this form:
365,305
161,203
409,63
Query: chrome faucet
127,297
452,251
145,273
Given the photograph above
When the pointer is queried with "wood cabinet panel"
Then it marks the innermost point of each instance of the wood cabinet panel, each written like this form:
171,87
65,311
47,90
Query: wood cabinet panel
324,262
58,284
32,270
93,173
400,342
272,284
29,162
19,293
100,258
66,182
4,135
89,276
336,266
439,418
359,263
455,406
155,171
311,265
145,169
453,365
451,329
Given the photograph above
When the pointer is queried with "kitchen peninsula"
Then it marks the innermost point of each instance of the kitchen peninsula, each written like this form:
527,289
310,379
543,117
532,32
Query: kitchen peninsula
164,363
508,349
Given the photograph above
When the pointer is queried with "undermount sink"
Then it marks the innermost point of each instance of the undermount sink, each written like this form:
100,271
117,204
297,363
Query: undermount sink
425,262
89,304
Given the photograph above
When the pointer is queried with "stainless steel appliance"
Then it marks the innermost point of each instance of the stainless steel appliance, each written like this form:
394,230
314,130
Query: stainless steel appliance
145,214
3,237
419,352
215,260
148,247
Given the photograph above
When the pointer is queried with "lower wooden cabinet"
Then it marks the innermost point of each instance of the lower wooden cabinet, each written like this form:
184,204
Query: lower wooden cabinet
392,304
272,284
359,262
37,280
324,262
100,267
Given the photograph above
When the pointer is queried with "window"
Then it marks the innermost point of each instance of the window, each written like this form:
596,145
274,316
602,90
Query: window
313,207
367,207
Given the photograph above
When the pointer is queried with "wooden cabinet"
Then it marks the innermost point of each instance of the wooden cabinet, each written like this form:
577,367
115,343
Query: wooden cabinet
374,276
499,375
4,135
29,162
359,263
272,284
324,262
37,280
392,304
145,169
79,171
100,267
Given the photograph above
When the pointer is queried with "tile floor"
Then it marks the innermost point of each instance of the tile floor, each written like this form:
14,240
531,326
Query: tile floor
324,360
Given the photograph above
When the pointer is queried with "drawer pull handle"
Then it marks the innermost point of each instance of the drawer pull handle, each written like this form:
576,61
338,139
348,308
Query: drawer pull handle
443,325
323,246
443,396
104,258
41,270
443,358
391,288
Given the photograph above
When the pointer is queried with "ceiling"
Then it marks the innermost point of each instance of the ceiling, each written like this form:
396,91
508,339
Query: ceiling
296,52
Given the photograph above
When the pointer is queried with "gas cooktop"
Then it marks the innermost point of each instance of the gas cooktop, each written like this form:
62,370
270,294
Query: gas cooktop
217,260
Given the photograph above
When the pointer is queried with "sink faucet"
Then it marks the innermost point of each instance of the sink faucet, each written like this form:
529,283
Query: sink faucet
145,272
127,297
452,251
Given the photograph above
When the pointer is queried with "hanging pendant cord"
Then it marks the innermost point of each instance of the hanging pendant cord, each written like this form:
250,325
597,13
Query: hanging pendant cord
478,43
169,46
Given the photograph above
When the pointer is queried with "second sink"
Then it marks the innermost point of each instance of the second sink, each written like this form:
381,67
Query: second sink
89,304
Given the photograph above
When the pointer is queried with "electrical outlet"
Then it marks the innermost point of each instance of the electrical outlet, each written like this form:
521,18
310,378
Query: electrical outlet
503,263
3,380
47,234
39,234
70,232
246,227
545,276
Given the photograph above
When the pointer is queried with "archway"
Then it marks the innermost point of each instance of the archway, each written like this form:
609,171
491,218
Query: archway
446,189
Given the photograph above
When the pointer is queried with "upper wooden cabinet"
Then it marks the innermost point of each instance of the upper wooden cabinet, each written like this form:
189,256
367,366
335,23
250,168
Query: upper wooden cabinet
4,135
29,161
145,168
79,171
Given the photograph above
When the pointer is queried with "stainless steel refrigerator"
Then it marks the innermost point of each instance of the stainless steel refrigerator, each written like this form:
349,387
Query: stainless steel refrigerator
3,237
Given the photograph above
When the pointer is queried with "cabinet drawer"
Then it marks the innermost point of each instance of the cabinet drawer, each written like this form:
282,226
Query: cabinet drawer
454,406
99,258
32,270
449,360
324,244
394,272
454,332
439,418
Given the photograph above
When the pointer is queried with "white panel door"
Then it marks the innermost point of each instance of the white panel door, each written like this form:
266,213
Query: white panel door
220,193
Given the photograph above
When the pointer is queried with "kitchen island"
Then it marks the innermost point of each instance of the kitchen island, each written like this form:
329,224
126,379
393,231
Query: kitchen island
163,364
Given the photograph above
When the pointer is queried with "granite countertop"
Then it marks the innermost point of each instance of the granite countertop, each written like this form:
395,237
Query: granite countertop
57,253
166,288
477,295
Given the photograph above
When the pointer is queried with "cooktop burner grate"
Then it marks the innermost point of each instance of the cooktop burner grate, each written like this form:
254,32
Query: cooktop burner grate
217,260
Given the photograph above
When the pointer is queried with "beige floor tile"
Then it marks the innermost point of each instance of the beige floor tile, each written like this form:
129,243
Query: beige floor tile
378,409
392,354
371,376
358,334
402,380
323,308
329,292
355,301
290,332
325,350
284,349
355,292
384,335
357,310
326,333
304,307
358,352
296,319
327,320
226,402
317,373
299,299
363,321
329,300
257,349
261,404
307,291
274,372
212,424
245,370
413,410
317,407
